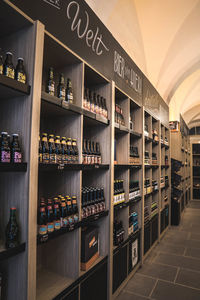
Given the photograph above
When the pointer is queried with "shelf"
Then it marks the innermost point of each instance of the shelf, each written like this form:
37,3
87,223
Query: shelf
120,206
94,218
71,167
50,284
120,166
95,117
7,253
166,146
147,166
121,129
147,195
99,260
155,166
131,236
148,139
135,134
136,200
11,88
154,192
11,167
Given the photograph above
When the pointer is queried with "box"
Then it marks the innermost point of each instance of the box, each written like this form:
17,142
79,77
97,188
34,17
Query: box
89,247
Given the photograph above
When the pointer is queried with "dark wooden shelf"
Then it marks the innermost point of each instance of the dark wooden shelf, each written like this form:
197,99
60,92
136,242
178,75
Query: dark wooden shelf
155,166
147,195
128,166
135,134
95,117
121,129
130,202
94,218
11,167
7,253
71,167
120,206
11,88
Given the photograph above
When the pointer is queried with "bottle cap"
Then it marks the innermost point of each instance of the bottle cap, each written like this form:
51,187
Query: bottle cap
9,53
20,58
15,134
13,208
4,132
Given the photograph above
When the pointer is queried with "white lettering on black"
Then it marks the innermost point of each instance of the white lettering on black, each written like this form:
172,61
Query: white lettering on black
92,40
54,3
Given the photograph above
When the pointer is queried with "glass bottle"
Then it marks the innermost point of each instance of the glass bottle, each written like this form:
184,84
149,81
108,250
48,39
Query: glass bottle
85,98
61,90
69,92
63,214
50,216
20,74
12,230
45,149
84,154
92,152
52,150
4,149
56,208
95,153
1,64
70,151
64,150
40,151
89,153
91,101
105,108
75,150
88,99
51,83
99,105
96,108
16,153
99,161
9,69
58,150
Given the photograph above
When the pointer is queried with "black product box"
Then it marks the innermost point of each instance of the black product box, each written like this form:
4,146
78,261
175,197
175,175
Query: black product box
89,243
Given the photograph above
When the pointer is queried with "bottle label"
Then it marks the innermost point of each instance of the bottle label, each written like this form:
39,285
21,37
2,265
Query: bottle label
88,105
52,158
62,94
51,89
5,156
17,157
57,225
50,227
64,222
92,107
21,77
92,159
43,229
85,103
95,159
70,220
45,158
10,72
1,69
40,157
75,218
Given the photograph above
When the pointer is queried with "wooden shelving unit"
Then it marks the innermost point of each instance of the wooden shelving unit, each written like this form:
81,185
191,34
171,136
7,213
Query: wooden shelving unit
52,269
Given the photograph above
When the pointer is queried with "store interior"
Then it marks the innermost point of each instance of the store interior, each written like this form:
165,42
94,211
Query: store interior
100,146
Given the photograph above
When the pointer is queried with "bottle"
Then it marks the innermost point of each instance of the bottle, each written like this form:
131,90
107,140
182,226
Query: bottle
50,216
75,150
64,150
96,108
45,149
84,155
85,99
95,153
20,74
69,211
89,153
70,151
9,69
1,65
58,150
52,150
74,205
105,108
42,219
5,149
63,214
99,105
51,83
91,101
92,152
12,230
40,151
99,161
88,99
16,153
61,90
69,92
56,208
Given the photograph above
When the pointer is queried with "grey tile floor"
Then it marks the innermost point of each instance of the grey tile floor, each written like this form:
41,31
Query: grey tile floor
172,270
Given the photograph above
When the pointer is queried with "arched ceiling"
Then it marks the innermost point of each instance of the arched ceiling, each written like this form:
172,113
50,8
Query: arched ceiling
163,38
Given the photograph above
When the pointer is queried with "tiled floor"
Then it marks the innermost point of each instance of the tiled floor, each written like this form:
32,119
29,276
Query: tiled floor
172,270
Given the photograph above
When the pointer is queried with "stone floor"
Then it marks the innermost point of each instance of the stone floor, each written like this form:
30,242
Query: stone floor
172,270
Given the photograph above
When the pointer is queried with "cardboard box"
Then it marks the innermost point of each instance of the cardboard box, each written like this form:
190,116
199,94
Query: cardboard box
89,243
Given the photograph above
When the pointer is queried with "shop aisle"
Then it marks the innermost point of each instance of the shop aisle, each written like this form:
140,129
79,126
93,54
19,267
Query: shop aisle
172,271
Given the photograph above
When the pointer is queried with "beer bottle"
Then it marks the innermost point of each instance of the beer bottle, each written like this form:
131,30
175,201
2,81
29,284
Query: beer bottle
58,150
4,149
64,150
16,153
96,108
12,230
99,105
74,205
70,151
85,98
103,205
95,153
56,208
50,216
98,153
52,150
42,221
63,214
75,150
9,69
40,151
45,149
51,83
105,108
84,155
92,152
91,96
20,74
88,99
1,65
69,92
61,90
69,211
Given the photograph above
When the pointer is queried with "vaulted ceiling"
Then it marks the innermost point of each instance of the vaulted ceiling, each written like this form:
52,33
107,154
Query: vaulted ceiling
163,38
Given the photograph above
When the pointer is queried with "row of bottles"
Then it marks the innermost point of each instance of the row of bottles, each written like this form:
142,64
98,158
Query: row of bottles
134,155
63,91
118,233
10,151
93,201
119,193
133,223
95,103
154,208
7,68
54,214
155,135
119,118
134,190
56,150
91,153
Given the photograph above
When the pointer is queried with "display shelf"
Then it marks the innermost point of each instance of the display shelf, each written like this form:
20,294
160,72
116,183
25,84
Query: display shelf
120,206
135,134
13,167
94,218
8,253
97,261
11,88
129,166
72,167
148,139
120,128
133,201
